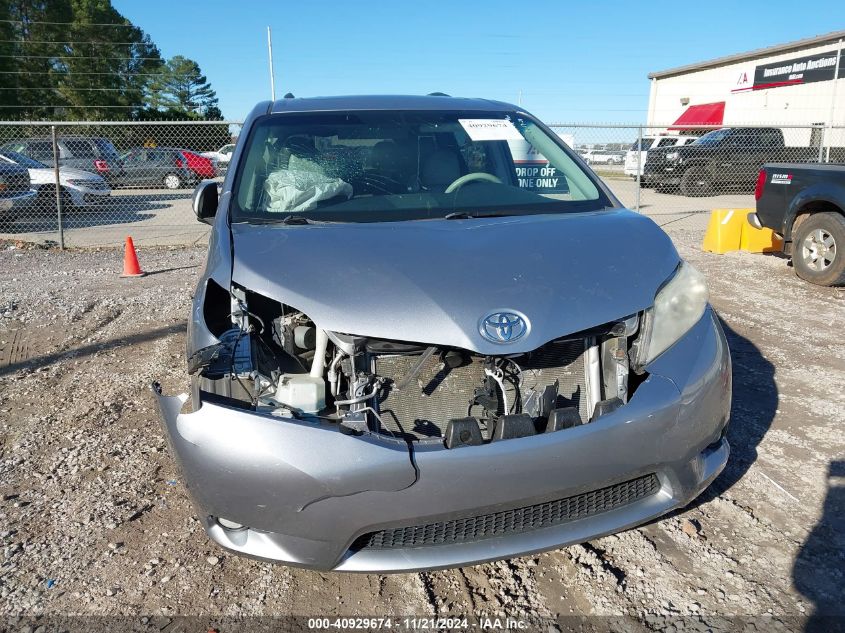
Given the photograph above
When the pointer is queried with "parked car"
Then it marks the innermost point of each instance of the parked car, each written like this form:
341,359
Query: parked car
650,143
94,154
164,167
16,192
155,167
222,155
78,188
724,159
202,166
412,362
595,157
805,204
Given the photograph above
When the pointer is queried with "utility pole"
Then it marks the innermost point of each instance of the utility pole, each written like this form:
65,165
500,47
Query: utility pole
272,74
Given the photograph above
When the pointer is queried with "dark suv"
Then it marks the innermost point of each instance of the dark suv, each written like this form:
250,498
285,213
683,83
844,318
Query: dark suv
88,153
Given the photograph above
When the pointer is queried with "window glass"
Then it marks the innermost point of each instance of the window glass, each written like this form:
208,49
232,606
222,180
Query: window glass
39,150
20,159
79,149
388,165
647,144
713,138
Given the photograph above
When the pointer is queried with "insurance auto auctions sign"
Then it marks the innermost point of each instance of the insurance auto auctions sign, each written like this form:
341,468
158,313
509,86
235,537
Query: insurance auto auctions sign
793,72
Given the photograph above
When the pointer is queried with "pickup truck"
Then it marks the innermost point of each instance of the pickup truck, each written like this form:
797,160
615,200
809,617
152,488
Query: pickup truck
15,189
805,204
728,158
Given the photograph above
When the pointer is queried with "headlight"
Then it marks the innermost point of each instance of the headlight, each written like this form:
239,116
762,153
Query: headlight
672,156
677,307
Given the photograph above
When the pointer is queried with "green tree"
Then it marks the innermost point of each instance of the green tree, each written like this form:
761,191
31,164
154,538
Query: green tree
72,59
182,87
110,64
35,47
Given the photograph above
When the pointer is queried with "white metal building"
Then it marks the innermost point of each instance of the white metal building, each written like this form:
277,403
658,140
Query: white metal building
800,83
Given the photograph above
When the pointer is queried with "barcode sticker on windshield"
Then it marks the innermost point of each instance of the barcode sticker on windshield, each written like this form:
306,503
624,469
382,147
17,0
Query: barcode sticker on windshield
490,130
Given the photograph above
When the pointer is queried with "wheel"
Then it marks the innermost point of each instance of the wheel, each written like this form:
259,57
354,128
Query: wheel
67,200
46,199
817,249
696,182
172,181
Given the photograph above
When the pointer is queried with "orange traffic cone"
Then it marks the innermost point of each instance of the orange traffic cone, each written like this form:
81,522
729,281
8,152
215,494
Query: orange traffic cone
131,268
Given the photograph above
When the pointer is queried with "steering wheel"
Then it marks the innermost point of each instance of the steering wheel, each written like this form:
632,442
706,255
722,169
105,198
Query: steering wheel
476,175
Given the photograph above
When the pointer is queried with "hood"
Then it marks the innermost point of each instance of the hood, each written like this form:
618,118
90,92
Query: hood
433,281
47,175
70,172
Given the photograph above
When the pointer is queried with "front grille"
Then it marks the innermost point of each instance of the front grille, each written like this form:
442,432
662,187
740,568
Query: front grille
516,521
424,409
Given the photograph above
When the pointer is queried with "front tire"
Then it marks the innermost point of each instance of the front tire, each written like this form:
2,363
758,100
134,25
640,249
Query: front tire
818,249
172,181
696,183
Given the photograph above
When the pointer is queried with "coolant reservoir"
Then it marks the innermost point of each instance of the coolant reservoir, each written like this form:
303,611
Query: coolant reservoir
302,392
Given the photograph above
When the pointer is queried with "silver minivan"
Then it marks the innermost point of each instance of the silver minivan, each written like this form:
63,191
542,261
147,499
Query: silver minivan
427,335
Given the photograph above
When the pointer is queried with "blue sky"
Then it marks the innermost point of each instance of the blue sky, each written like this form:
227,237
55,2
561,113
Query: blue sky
583,61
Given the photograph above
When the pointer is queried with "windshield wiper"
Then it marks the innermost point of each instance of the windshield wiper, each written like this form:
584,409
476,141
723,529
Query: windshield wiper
295,219
463,215
288,219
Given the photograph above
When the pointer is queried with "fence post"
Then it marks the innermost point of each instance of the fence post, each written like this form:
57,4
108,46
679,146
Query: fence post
821,143
639,160
58,187
829,137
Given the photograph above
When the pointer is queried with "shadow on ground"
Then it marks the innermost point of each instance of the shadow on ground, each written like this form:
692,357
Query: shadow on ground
117,209
819,570
753,407
86,350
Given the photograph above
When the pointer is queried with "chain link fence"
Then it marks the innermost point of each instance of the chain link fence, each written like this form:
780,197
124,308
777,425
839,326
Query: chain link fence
677,184
96,182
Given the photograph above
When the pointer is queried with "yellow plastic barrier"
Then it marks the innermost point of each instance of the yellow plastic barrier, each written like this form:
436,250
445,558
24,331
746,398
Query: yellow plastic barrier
729,230
724,230
762,240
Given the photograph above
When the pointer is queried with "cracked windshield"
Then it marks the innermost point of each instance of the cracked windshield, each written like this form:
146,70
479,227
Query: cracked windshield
382,166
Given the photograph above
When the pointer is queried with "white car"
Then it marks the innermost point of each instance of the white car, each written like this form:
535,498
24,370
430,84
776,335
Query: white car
222,155
602,158
79,188
651,142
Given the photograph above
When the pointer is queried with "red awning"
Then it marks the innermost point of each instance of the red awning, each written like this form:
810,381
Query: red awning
711,114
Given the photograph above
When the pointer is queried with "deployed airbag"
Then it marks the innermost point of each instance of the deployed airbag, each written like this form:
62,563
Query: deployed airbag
301,190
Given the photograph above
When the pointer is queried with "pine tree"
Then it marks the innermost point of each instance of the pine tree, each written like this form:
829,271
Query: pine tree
33,73
107,73
81,59
183,88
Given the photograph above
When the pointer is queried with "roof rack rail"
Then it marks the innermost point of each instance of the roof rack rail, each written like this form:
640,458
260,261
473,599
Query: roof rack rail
438,94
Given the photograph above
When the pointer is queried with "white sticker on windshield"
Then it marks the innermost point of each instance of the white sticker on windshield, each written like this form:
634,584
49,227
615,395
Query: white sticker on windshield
490,130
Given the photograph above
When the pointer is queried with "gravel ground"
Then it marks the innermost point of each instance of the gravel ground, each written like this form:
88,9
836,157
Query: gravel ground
94,518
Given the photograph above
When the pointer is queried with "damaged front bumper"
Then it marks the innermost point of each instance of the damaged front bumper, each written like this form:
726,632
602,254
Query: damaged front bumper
306,494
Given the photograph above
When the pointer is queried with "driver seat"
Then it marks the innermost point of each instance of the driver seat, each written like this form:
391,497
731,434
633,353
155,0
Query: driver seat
440,170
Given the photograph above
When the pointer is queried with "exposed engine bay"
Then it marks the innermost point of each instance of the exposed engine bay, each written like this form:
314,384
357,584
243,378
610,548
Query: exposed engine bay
273,358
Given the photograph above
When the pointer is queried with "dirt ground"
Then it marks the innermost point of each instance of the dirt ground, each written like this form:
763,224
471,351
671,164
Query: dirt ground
94,518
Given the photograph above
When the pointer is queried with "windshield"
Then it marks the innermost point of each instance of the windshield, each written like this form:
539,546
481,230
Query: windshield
389,165
22,160
712,138
646,144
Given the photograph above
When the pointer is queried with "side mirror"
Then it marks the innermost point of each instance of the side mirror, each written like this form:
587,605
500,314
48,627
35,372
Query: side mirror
204,201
